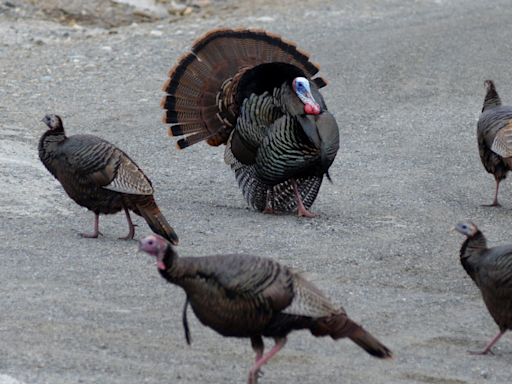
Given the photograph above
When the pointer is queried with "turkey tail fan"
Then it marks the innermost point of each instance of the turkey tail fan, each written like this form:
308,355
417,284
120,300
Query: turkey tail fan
156,221
201,101
340,326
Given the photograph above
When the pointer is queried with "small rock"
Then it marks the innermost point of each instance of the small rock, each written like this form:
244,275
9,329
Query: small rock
188,11
264,19
174,8
156,33
138,12
202,3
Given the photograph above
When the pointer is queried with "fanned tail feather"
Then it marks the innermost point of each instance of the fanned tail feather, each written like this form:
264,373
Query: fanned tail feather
199,102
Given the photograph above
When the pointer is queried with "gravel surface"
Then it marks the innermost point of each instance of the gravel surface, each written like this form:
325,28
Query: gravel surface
406,87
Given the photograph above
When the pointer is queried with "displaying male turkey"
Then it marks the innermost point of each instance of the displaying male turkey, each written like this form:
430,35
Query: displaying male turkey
253,91
494,134
491,270
249,296
99,176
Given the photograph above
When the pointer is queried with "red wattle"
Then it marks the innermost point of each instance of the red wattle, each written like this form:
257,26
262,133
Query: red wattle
312,109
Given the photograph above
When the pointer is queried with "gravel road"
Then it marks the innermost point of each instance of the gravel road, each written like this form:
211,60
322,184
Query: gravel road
406,87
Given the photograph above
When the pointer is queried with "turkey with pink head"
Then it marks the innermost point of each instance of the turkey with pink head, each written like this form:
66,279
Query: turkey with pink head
242,295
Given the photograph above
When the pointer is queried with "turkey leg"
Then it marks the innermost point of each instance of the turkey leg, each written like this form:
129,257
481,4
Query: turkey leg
96,232
131,233
253,374
301,210
488,348
495,202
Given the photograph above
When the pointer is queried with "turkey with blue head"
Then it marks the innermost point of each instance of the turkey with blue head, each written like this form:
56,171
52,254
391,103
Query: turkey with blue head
255,92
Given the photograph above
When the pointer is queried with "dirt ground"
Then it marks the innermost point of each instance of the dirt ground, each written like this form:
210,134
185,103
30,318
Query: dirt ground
406,87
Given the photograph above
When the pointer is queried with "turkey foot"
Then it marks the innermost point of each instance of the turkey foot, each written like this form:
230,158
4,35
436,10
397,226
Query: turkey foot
304,212
495,204
488,348
301,210
96,232
94,235
484,352
269,209
255,370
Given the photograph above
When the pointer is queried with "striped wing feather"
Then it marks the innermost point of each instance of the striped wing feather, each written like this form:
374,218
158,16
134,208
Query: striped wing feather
310,301
130,179
502,143
495,282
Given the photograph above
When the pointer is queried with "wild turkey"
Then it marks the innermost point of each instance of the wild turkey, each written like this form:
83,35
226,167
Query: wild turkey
494,134
99,176
253,91
248,296
491,270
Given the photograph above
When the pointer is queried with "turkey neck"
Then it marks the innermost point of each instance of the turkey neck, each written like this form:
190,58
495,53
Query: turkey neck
472,247
492,100
48,144
52,136
288,100
172,270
